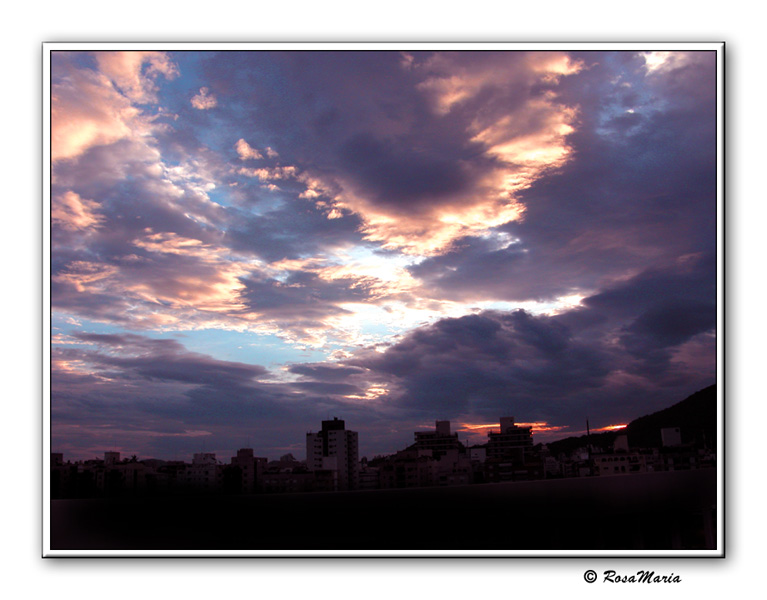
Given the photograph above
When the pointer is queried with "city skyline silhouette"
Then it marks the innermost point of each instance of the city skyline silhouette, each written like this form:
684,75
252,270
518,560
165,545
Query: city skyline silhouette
442,261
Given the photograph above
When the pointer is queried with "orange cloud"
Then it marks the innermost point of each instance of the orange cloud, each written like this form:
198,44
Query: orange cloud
611,427
450,83
538,427
433,231
371,393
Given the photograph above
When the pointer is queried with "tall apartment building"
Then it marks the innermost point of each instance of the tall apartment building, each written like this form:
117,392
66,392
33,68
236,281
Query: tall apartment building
335,448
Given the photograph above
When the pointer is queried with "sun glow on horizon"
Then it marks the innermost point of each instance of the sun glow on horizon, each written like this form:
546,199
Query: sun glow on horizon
537,427
612,427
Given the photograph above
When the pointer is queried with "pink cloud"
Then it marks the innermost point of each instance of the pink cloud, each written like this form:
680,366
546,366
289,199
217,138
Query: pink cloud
128,73
245,151
73,213
91,108
86,276
87,111
270,174
451,80
664,62
204,100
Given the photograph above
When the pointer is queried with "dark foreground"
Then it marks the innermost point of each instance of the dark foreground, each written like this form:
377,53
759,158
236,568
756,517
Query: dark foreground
653,511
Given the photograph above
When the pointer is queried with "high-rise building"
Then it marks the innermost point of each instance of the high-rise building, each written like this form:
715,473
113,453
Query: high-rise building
334,441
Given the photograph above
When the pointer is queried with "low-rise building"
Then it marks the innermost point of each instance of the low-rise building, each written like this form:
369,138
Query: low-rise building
408,468
204,474
619,463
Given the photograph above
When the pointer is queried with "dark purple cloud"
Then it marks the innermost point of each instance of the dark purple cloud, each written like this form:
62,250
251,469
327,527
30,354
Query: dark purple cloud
644,334
167,360
326,372
295,229
374,128
640,189
154,396
393,174
490,362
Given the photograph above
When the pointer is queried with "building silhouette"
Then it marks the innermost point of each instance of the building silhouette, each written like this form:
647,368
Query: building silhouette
440,441
204,472
511,443
435,459
246,471
510,454
334,449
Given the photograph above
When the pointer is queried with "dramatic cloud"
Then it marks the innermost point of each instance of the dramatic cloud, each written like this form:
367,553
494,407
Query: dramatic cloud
134,73
644,335
245,243
576,236
423,150
92,107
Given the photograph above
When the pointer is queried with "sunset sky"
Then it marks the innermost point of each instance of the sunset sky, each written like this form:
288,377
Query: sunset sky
245,243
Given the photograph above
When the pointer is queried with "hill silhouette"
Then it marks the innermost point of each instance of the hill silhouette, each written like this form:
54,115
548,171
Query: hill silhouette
695,416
